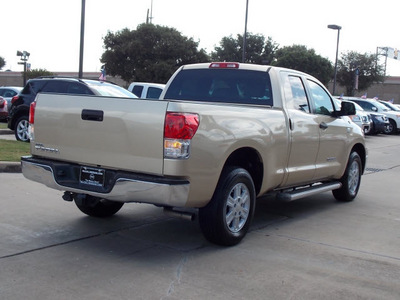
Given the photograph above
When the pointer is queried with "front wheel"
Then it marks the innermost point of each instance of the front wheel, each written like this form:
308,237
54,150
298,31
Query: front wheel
351,179
21,129
97,207
226,219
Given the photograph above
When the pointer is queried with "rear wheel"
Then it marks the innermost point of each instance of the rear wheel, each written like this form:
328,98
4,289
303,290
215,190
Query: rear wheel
97,207
227,217
21,129
351,179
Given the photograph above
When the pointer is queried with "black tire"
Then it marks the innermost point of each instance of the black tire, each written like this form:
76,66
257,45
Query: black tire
351,179
226,219
21,129
392,128
97,207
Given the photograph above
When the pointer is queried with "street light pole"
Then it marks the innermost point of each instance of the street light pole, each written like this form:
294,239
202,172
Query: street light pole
80,75
335,27
245,33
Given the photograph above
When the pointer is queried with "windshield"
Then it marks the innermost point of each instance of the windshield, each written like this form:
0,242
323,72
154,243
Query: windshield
380,106
390,106
110,90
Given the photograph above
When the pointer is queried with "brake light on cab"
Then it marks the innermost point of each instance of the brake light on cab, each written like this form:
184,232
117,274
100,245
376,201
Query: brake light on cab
32,120
224,65
179,129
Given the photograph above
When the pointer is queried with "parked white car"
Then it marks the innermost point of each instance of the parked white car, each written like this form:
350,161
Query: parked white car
146,90
391,106
361,118
373,105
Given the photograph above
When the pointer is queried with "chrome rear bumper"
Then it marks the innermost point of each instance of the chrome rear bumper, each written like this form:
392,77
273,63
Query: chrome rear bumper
126,187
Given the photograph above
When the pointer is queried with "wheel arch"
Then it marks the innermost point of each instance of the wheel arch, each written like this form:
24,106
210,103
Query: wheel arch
362,152
22,110
249,159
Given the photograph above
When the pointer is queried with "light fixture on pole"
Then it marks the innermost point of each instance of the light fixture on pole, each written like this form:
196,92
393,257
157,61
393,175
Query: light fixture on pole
24,58
335,27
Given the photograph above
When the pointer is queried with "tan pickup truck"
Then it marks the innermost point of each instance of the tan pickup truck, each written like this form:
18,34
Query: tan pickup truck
221,135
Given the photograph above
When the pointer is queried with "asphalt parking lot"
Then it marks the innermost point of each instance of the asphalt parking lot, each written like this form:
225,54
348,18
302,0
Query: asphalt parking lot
313,248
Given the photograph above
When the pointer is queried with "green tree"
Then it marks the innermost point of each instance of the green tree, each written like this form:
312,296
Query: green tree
298,57
2,62
37,73
150,53
369,71
258,50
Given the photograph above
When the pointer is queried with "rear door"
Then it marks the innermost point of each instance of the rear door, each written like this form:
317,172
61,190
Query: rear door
304,131
120,133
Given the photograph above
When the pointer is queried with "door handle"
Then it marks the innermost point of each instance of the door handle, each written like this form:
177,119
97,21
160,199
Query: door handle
92,115
290,124
323,125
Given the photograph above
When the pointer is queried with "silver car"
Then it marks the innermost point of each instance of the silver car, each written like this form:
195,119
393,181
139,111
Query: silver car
7,92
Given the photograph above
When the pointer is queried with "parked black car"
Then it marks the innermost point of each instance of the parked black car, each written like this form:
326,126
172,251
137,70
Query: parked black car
19,110
381,123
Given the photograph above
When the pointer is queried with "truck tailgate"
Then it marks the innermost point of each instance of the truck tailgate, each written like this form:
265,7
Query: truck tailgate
118,133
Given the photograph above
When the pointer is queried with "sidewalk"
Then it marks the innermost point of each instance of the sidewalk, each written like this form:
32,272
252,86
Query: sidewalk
8,166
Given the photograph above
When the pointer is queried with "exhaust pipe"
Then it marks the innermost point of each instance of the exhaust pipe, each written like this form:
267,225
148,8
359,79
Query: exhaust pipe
188,216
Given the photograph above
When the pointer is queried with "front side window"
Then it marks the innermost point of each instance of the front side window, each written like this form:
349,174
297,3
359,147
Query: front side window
222,85
137,90
322,101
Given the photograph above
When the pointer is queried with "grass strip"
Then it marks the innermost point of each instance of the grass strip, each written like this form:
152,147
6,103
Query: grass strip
13,150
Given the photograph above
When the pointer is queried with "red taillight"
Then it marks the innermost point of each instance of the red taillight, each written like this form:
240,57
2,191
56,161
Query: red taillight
15,98
180,125
224,65
32,112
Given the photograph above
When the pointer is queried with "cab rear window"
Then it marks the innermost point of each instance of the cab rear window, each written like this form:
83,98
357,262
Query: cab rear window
222,85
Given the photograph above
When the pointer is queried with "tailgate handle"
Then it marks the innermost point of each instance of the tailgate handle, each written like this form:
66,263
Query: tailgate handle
92,115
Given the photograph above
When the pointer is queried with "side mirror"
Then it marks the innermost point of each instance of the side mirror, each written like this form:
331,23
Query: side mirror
374,108
347,109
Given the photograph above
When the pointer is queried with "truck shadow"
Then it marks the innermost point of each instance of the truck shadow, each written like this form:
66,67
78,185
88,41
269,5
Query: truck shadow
123,236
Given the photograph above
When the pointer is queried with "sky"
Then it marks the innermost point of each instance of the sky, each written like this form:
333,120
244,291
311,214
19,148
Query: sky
50,29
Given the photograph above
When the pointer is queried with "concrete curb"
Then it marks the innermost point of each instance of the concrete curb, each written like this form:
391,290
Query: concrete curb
6,131
10,167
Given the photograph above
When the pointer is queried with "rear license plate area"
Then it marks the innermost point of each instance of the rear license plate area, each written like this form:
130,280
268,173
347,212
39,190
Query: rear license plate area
92,176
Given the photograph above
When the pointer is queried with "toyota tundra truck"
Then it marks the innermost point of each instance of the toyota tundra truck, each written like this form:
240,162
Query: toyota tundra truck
221,135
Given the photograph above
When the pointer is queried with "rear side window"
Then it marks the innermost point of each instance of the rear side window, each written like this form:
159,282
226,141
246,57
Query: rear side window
222,85
153,93
55,86
33,87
